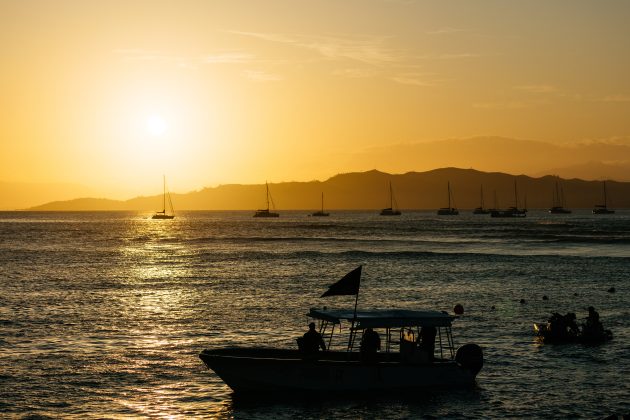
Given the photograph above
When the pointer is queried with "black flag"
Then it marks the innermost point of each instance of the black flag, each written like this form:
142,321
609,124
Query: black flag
348,285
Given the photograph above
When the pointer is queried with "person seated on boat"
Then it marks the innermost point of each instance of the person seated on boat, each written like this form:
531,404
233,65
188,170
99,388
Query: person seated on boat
570,321
312,340
370,345
427,340
593,324
557,326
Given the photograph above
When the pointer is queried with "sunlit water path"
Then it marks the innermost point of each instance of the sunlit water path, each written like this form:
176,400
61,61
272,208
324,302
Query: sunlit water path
104,314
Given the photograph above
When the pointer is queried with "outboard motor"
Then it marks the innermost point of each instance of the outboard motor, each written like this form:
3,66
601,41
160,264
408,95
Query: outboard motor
470,356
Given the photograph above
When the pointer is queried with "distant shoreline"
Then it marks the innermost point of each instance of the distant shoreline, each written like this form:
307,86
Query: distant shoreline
368,190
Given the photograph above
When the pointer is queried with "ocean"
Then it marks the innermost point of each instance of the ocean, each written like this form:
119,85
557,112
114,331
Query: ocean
103,314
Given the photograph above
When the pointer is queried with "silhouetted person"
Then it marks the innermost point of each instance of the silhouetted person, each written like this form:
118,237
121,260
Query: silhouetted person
312,340
592,321
558,326
570,321
427,337
370,344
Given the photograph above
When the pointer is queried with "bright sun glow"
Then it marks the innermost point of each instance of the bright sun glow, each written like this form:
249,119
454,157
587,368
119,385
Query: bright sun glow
155,125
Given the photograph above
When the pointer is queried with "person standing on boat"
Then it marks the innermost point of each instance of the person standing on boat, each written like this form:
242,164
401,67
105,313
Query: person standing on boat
312,340
427,336
370,344
592,321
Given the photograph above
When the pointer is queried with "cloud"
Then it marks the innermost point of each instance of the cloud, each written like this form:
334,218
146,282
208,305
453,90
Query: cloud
456,56
414,79
355,73
537,88
146,55
228,58
444,31
365,49
619,97
501,105
261,76
225,57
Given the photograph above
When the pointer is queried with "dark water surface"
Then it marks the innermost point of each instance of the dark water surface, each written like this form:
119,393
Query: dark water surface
102,315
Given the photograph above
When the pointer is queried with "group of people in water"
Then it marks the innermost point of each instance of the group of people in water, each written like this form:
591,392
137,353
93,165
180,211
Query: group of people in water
565,326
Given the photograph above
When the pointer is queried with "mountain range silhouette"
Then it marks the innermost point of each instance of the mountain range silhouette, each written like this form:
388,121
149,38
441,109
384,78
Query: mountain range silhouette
370,190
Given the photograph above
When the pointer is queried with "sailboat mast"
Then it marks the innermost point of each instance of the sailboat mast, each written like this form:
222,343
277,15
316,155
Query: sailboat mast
267,186
322,202
448,184
391,196
481,193
515,196
164,194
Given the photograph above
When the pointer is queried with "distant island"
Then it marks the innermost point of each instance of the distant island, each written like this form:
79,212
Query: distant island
369,190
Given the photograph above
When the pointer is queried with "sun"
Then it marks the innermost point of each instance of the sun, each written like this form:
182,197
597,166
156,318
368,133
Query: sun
155,125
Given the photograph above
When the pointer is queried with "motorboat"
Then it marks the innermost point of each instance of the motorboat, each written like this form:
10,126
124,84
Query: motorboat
509,212
418,351
557,330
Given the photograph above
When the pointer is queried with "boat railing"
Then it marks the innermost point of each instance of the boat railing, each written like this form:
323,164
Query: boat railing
393,339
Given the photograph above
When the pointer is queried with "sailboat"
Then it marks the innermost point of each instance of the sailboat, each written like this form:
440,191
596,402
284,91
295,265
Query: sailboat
321,212
558,201
511,211
391,210
266,212
603,208
448,211
481,209
163,214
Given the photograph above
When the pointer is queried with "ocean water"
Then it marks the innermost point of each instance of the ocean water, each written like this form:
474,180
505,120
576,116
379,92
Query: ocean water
103,315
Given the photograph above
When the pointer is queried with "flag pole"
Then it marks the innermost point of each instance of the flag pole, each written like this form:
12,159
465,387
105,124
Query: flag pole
354,318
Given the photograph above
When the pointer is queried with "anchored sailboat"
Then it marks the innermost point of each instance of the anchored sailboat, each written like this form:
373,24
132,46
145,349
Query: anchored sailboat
603,208
321,212
511,211
163,214
448,211
481,209
266,212
391,210
558,201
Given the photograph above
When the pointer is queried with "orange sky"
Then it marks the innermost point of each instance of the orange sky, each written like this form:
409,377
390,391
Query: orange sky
113,94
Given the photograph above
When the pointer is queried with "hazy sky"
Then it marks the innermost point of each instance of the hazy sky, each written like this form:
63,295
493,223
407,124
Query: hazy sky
116,93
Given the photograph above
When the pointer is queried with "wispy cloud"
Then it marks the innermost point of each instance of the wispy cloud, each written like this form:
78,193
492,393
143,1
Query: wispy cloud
146,55
228,58
365,49
619,97
537,88
261,76
355,73
456,56
501,105
444,31
416,79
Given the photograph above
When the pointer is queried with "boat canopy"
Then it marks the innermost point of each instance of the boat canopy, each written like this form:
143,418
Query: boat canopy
385,318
